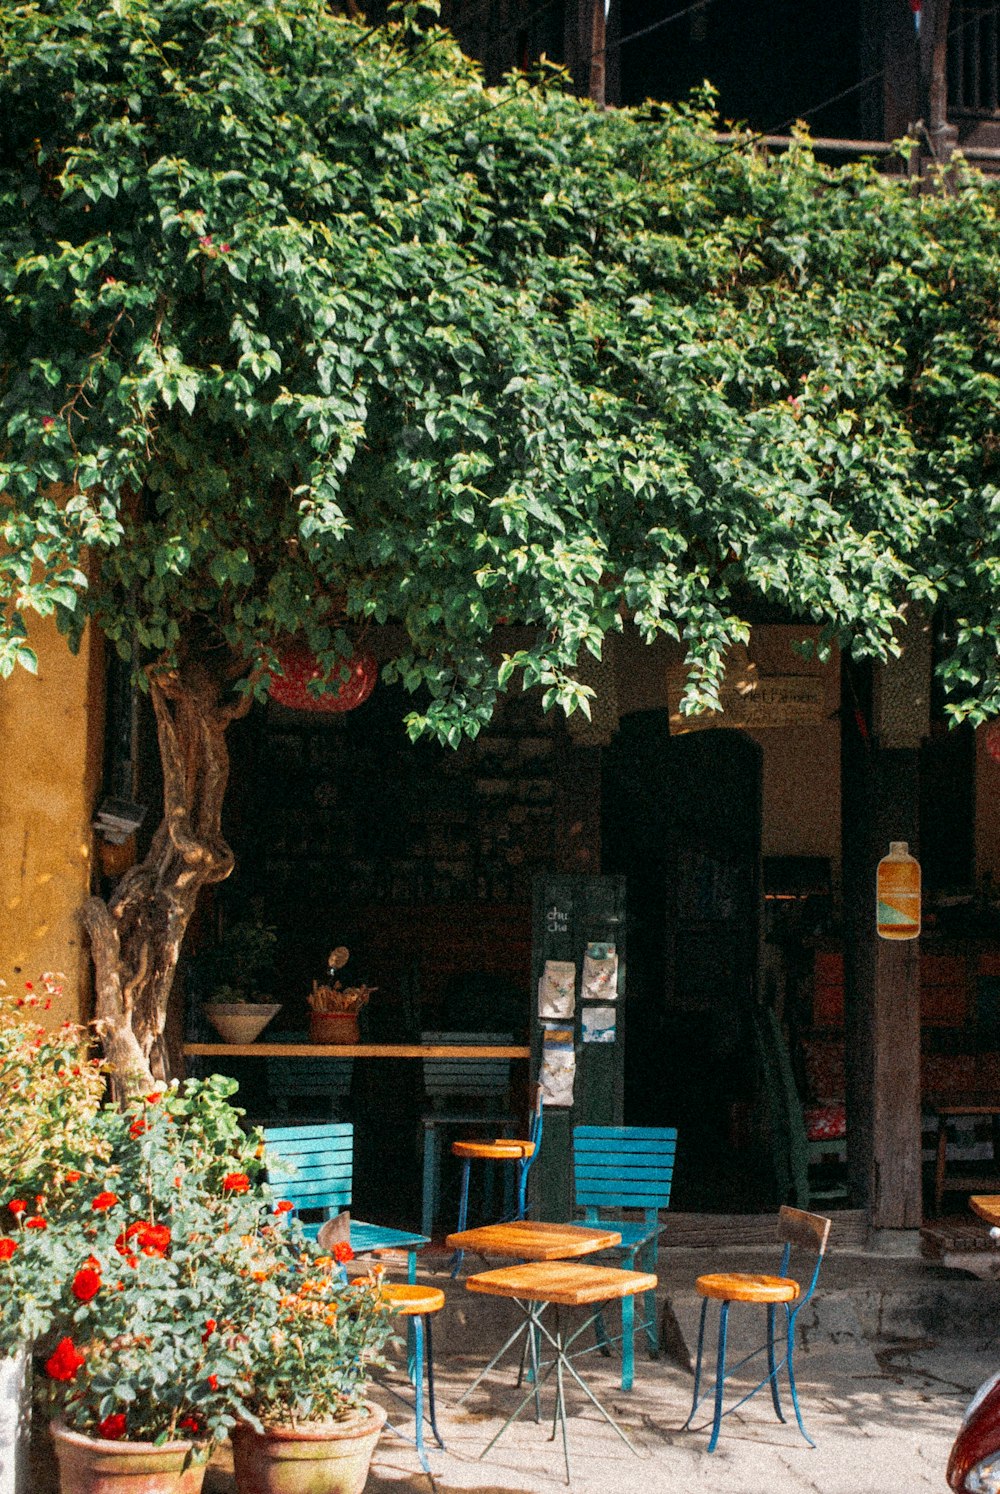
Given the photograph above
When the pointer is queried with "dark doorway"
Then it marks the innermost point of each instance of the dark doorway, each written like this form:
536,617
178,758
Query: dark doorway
681,821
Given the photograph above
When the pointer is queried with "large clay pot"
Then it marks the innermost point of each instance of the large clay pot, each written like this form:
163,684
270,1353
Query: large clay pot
90,1465
15,1421
240,1021
334,1027
326,1458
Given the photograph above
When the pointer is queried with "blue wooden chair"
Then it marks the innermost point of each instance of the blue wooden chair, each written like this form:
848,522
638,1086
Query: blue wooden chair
627,1167
461,1092
314,1170
795,1227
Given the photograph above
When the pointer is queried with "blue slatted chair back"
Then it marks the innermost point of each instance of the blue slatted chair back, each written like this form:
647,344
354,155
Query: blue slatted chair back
624,1167
291,1079
314,1165
486,1080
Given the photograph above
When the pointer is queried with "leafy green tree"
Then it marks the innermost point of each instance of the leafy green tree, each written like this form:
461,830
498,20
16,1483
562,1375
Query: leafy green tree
303,330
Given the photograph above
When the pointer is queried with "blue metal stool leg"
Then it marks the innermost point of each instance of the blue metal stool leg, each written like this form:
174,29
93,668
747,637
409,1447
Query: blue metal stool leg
791,1376
720,1376
418,1339
430,1384
463,1214
697,1362
772,1371
522,1188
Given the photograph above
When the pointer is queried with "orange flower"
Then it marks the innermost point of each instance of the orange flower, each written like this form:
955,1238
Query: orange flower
7,1247
36,1222
283,1206
104,1201
236,1182
73,1177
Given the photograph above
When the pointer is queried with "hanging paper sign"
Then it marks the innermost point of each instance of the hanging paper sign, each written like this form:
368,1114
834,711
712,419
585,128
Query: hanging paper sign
558,1064
600,973
557,989
597,1024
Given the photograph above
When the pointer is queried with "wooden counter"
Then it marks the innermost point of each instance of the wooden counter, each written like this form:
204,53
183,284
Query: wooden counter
354,1050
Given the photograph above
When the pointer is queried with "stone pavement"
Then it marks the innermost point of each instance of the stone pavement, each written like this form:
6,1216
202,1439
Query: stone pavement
890,1352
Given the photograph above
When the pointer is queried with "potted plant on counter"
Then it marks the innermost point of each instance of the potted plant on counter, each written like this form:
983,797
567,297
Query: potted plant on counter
334,1009
231,975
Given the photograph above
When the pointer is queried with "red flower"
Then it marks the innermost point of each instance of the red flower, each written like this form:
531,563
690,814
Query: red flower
64,1363
104,1201
112,1427
47,423
150,1239
7,1247
17,1206
236,1182
86,1284
36,1222
137,1127
213,1382
210,1327
205,241
283,1206
192,1424
155,1098
342,1251
73,1177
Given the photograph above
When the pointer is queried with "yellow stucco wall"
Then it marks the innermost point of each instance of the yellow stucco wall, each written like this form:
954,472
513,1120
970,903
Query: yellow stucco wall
51,727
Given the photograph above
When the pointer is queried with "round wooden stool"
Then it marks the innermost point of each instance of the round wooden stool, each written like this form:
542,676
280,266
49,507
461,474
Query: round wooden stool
418,1303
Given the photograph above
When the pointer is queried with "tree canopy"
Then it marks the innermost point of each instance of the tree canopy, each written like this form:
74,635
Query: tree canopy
303,328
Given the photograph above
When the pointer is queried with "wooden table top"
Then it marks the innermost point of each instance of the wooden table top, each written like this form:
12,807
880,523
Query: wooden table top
567,1283
987,1206
357,1050
535,1239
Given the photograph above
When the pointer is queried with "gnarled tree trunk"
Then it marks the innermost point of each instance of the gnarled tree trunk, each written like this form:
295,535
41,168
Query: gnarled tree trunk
136,935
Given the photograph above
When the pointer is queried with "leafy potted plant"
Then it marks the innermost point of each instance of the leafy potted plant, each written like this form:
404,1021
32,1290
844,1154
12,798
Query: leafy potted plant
333,1008
230,974
147,1366
314,1340
52,1089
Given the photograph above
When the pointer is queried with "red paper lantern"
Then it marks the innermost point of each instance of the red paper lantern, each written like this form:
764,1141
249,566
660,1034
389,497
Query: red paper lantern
299,667
993,739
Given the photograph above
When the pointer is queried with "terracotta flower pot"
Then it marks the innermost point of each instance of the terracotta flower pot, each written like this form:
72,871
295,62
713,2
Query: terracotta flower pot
334,1027
90,1465
240,1021
327,1458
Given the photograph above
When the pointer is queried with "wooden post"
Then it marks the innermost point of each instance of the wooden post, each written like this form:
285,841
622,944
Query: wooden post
884,718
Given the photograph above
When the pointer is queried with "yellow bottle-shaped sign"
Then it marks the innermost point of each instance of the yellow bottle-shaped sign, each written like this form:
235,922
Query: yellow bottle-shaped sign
897,895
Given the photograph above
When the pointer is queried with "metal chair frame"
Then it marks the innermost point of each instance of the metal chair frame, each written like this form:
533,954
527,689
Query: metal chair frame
523,1166
795,1227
